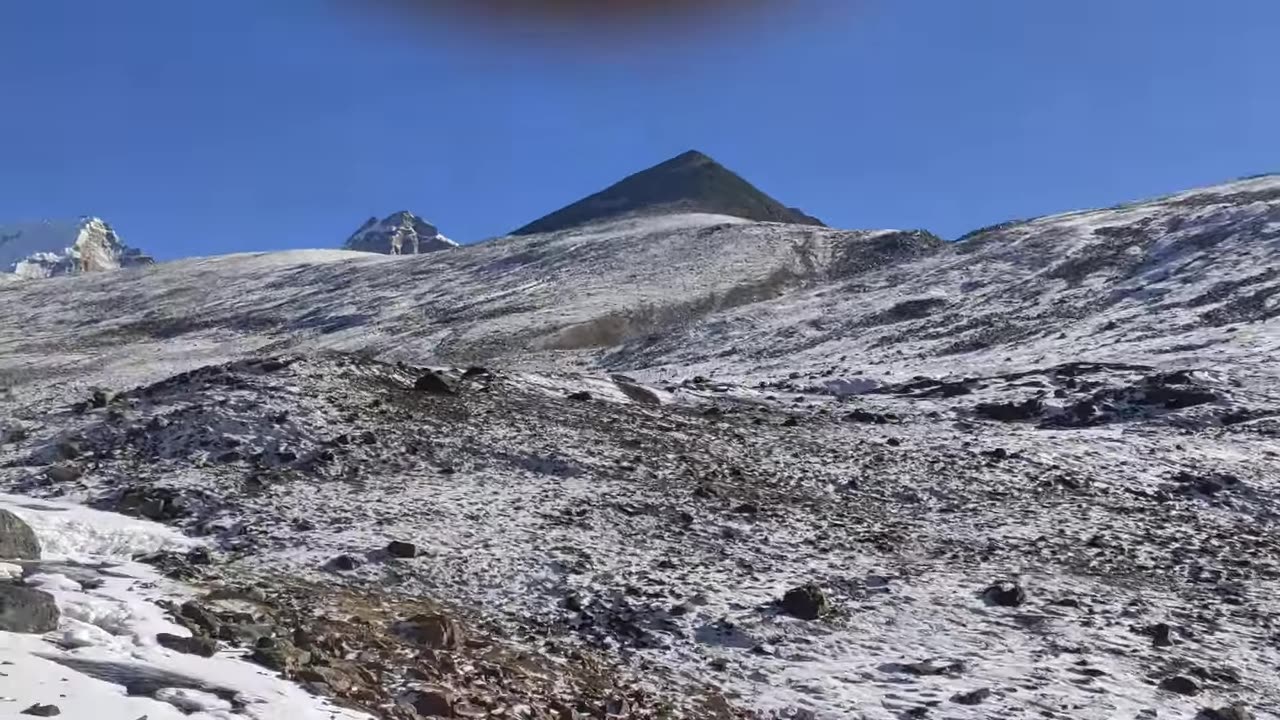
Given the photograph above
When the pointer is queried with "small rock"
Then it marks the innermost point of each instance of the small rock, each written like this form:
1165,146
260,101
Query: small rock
476,371
200,556
63,473
17,539
432,630
432,701
791,421
344,563
280,656
39,710
202,646
581,396
973,697
1181,685
25,610
637,393
1237,711
806,602
102,398
434,384
401,549
1005,594
1160,635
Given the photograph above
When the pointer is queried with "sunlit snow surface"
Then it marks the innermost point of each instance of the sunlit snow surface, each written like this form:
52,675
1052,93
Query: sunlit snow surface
542,497
109,632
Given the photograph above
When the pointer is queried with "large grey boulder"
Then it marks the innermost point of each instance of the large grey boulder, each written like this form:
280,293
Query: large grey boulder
17,539
26,610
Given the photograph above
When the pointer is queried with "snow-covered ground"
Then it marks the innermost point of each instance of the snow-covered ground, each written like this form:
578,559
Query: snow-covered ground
900,421
103,662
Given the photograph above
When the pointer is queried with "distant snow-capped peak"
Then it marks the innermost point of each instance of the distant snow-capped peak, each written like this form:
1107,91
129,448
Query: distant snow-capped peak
401,233
64,247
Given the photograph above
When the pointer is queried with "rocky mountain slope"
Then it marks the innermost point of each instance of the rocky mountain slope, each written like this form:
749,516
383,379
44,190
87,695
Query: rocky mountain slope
688,183
401,233
698,466
45,249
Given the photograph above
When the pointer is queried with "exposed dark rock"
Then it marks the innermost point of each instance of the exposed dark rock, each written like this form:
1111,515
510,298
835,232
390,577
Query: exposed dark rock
1004,594
63,472
637,393
973,697
401,549
1237,711
280,655
39,710
476,372
17,540
195,645
431,701
806,602
1029,409
344,563
433,383
690,182
581,396
26,610
866,416
1160,634
1181,685
432,630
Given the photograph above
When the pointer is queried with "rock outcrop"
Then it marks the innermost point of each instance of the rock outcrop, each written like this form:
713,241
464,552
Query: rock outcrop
401,233
49,248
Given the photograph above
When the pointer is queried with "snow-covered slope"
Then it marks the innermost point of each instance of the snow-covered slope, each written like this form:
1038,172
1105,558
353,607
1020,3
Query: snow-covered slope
722,468
401,233
45,249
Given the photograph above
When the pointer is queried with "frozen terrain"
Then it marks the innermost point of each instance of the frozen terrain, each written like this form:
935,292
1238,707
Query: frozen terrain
698,466
103,662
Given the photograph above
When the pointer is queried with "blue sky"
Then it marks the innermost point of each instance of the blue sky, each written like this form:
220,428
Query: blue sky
199,127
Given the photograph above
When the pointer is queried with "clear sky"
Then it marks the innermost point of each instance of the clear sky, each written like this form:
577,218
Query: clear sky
198,128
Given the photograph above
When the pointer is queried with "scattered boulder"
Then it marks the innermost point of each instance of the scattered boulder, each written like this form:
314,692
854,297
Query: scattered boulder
1236,711
637,393
1181,685
433,383
866,416
63,472
402,549
973,697
101,398
1160,634
195,645
580,396
431,701
433,630
1005,594
39,710
17,539
476,371
929,667
26,610
1028,409
279,655
344,563
1207,484
806,602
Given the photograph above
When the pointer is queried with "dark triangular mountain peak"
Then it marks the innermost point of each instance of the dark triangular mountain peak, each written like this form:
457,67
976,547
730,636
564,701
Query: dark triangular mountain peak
689,182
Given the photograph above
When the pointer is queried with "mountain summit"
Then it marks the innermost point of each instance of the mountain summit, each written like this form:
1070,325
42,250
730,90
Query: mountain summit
64,247
691,182
401,233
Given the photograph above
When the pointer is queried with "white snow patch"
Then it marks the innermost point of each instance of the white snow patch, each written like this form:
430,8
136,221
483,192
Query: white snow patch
110,631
